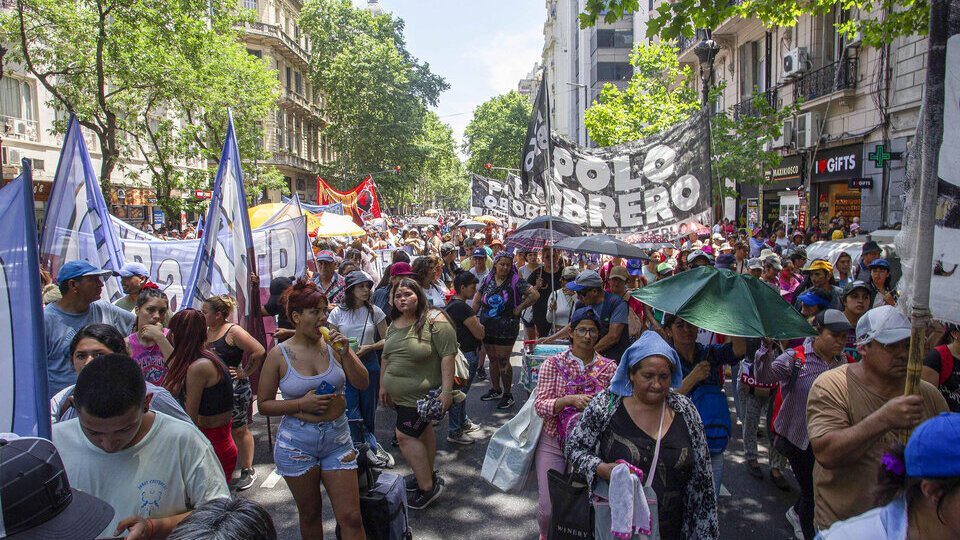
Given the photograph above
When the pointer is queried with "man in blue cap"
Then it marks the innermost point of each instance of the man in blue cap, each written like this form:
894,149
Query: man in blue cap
610,309
870,252
330,282
132,277
80,286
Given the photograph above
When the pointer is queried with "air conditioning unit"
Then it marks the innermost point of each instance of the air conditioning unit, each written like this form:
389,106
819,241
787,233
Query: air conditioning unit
786,135
851,41
795,62
808,129
20,127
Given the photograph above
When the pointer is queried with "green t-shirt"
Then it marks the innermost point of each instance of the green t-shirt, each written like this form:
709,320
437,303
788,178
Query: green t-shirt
413,367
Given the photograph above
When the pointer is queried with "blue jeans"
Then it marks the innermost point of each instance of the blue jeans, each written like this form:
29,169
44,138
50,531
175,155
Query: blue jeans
716,463
362,404
458,412
304,445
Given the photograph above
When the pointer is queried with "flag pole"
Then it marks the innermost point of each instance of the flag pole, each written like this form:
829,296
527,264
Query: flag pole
548,178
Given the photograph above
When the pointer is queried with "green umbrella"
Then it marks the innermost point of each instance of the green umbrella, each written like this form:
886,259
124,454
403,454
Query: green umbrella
726,303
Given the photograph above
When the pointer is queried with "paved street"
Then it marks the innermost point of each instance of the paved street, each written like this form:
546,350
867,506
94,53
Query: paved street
471,508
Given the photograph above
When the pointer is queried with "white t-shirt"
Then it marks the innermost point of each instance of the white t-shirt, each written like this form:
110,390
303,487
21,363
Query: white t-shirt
565,304
171,470
357,323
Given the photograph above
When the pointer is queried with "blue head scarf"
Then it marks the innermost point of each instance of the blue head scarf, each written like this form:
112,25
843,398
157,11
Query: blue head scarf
648,344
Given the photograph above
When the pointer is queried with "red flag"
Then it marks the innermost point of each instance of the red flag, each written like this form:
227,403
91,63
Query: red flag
360,202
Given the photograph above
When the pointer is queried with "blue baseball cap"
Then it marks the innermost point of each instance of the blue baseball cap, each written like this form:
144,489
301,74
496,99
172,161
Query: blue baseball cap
588,279
133,269
76,269
584,313
325,256
880,263
934,448
812,299
480,252
635,267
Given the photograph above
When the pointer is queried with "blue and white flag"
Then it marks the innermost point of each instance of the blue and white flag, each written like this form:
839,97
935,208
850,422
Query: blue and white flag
335,208
77,222
24,408
226,251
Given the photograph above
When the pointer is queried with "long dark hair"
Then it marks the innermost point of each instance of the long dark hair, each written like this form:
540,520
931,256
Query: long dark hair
189,331
423,306
351,303
106,335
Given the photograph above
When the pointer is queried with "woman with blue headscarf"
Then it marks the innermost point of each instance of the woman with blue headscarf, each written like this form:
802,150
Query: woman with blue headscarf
640,421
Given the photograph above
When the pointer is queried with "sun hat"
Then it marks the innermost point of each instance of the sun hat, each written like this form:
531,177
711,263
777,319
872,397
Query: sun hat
81,268
36,500
766,252
870,247
832,319
131,269
725,247
819,264
588,279
618,272
647,345
884,324
933,450
401,269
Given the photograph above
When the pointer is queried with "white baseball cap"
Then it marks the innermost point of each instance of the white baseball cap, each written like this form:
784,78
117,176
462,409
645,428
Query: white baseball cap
885,324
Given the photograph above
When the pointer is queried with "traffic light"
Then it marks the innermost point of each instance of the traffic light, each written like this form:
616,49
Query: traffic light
397,168
489,166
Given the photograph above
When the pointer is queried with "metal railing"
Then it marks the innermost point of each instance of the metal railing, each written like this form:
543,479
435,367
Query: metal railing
831,78
684,43
748,107
19,129
287,159
274,32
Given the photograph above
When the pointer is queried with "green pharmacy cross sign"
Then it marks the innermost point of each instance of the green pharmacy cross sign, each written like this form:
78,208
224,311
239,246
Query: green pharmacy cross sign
880,156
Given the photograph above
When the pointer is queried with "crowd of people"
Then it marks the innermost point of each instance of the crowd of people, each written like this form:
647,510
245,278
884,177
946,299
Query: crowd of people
151,408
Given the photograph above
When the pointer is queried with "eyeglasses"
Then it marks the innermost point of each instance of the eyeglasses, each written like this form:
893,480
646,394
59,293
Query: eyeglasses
584,332
898,347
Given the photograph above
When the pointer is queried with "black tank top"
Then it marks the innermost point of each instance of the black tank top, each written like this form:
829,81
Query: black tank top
216,399
230,354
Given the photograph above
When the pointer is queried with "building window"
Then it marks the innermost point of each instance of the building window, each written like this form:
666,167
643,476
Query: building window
250,4
609,38
16,99
289,78
298,78
254,52
614,71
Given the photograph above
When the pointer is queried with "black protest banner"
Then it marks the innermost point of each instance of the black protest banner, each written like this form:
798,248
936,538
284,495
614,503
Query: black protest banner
657,185
504,199
533,163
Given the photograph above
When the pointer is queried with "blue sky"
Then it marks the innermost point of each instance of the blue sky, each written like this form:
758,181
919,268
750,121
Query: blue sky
482,48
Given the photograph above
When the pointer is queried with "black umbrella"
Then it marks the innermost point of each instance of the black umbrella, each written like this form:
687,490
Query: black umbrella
532,239
601,244
561,225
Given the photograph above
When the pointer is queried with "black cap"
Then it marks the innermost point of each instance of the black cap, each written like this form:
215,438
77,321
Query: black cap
36,499
869,247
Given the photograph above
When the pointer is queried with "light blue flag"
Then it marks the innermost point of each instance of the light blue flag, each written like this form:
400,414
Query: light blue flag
226,252
77,222
335,208
24,408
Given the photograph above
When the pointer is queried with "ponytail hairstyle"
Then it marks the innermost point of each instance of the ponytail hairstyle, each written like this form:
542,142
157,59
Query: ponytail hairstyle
189,330
148,291
892,480
303,294
223,304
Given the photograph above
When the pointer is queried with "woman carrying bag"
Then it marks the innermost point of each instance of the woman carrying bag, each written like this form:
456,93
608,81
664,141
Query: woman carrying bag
639,416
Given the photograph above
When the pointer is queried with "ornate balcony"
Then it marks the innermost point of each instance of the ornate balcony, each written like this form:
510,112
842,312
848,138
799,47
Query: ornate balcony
277,37
835,77
19,129
747,108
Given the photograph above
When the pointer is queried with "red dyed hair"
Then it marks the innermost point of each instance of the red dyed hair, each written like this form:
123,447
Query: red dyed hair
189,331
303,294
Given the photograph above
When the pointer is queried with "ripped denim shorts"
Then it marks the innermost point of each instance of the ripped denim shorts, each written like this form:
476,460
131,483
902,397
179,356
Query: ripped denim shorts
302,445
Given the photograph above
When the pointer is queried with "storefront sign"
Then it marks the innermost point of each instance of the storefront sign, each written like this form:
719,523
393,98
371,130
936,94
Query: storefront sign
802,219
860,183
789,174
771,209
41,190
158,217
753,213
838,163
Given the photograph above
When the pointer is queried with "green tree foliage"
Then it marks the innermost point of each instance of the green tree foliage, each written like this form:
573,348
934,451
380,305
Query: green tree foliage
443,180
660,95
495,134
151,80
376,95
879,22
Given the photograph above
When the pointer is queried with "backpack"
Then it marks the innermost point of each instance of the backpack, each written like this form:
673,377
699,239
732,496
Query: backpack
712,405
799,358
946,363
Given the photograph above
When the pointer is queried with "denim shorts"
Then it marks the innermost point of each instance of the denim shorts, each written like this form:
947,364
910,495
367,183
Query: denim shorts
303,445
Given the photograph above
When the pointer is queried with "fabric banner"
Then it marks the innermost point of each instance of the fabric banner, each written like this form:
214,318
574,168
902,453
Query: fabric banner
537,144
659,185
24,408
225,252
125,231
504,199
76,212
335,208
360,203
945,281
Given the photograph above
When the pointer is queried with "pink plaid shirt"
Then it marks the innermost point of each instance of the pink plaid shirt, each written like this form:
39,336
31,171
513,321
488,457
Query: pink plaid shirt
551,383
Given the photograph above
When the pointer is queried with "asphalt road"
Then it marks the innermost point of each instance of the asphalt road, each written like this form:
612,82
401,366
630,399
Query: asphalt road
471,508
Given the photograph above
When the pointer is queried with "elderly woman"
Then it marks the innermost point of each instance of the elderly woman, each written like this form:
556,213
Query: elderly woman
566,384
640,421
501,297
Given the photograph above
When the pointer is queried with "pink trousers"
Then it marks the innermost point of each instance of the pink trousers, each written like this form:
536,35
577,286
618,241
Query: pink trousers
548,456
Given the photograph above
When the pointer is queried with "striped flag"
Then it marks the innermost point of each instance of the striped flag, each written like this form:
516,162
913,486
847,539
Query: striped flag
226,249
24,408
77,222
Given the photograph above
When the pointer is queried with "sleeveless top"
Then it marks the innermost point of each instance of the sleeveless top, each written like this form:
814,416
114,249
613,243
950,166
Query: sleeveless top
231,355
214,400
293,385
150,359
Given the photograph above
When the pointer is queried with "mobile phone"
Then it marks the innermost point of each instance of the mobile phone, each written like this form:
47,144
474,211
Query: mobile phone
325,388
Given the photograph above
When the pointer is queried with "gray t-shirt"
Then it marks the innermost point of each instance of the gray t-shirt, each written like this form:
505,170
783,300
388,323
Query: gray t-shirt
162,401
59,328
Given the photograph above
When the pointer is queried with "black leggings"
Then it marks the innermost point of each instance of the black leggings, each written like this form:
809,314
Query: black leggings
801,461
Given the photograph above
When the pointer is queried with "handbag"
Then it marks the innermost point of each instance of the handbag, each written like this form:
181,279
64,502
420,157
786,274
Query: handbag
509,457
571,514
461,369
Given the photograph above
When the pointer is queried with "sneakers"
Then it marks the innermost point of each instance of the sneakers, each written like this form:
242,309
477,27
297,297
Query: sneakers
470,427
422,499
459,438
779,481
506,401
794,520
410,481
247,477
385,457
481,374
491,395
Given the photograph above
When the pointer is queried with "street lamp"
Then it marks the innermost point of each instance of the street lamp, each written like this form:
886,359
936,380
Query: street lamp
706,52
